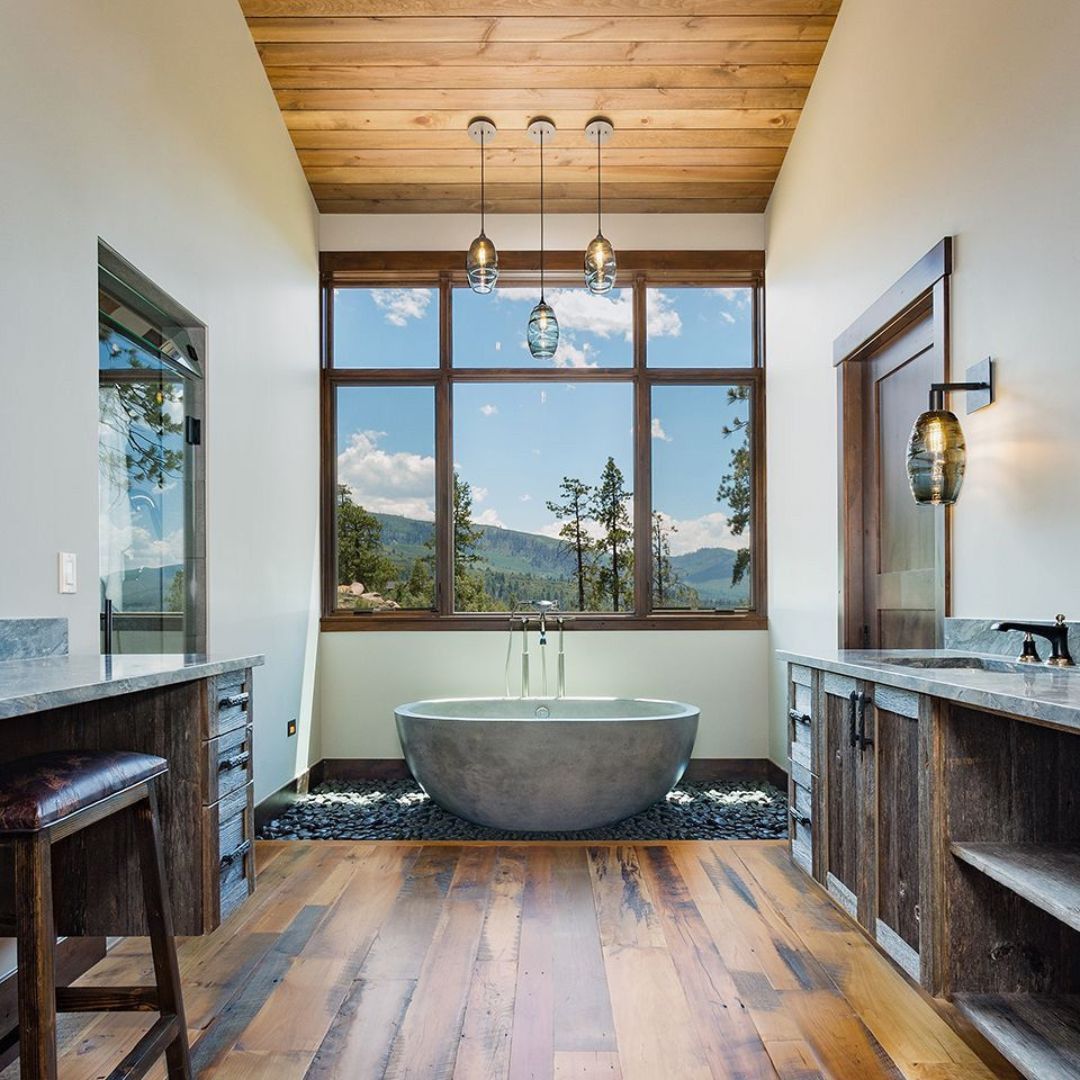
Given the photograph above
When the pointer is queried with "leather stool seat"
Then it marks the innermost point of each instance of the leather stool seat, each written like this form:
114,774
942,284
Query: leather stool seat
37,791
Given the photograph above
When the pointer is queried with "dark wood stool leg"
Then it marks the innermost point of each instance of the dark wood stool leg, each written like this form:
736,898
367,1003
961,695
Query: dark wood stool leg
162,941
37,951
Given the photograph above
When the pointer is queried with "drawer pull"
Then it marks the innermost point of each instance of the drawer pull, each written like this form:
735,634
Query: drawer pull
237,761
799,717
241,850
800,819
233,700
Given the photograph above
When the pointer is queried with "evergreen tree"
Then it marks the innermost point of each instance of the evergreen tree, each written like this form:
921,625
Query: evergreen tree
573,511
469,591
736,486
360,552
608,508
665,579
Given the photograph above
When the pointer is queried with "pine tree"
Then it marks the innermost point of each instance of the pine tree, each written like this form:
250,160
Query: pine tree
664,577
608,508
736,486
573,511
360,554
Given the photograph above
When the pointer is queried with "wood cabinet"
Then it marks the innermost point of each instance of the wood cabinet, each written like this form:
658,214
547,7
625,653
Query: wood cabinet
864,791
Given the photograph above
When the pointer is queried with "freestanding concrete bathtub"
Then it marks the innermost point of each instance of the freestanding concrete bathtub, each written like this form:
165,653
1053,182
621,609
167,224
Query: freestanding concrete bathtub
546,765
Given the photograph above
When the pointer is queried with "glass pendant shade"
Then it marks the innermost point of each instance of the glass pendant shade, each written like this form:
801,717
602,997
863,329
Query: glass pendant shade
482,265
543,331
600,265
936,458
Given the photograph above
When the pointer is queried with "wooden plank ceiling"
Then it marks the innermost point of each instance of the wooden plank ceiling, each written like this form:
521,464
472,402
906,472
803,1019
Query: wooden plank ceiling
704,96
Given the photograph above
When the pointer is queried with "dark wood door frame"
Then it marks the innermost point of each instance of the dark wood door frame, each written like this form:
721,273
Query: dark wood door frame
922,291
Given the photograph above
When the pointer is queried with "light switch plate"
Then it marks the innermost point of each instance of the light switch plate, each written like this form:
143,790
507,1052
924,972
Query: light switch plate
67,572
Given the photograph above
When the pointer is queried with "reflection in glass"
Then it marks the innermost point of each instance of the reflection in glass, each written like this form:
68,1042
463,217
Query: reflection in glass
394,327
385,444
543,495
700,327
702,488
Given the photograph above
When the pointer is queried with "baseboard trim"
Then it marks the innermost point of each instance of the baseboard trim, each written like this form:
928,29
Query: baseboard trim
275,805
396,769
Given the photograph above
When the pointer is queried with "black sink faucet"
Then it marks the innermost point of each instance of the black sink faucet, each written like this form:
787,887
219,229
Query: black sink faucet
1057,633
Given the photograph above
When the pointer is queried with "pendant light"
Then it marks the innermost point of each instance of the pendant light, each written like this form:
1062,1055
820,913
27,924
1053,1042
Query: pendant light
599,255
543,330
482,262
937,453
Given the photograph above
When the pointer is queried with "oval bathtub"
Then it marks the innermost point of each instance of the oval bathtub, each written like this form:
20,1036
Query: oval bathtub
546,765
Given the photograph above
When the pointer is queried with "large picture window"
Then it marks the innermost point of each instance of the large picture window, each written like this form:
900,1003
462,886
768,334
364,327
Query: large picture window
463,479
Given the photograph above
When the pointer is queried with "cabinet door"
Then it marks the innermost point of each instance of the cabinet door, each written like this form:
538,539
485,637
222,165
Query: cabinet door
848,786
898,848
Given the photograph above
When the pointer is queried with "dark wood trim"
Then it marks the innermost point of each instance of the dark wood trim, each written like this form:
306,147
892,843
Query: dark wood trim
922,291
276,804
442,270
432,263
877,321
698,770
374,622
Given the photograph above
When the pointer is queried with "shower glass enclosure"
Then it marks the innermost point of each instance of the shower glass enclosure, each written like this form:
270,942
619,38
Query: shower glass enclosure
150,471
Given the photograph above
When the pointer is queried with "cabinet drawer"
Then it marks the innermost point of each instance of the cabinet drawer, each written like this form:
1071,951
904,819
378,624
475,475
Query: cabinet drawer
230,702
230,870
227,764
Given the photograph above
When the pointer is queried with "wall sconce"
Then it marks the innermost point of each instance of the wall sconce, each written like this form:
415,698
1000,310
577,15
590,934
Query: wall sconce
936,452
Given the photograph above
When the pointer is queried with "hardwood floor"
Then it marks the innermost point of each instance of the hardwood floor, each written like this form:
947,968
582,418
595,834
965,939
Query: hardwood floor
641,962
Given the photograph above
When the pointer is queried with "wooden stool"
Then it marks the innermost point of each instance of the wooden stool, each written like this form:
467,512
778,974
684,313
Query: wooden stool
42,800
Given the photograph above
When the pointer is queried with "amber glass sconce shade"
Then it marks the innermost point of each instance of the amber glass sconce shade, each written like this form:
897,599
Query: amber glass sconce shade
937,453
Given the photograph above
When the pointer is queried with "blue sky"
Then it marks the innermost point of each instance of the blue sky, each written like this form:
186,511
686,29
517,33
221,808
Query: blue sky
514,442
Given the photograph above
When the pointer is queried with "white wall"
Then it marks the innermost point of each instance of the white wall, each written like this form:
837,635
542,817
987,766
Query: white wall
151,125
928,119
363,675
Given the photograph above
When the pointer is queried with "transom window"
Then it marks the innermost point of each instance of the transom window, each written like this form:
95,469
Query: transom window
463,479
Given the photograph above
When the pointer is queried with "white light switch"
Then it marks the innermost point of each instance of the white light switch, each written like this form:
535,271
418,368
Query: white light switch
68,581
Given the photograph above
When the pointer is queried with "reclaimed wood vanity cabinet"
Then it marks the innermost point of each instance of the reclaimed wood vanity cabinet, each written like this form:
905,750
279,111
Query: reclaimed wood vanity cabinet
951,834
854,763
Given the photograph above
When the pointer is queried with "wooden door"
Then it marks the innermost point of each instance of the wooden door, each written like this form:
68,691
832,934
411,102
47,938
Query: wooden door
848,783
901,559
898,840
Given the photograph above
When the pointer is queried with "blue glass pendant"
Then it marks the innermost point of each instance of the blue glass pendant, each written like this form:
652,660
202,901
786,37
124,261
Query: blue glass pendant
543,332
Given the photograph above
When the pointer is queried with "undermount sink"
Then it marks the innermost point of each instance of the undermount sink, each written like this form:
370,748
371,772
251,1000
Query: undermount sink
957,663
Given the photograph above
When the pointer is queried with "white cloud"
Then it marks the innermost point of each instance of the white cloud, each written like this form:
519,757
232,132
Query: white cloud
707,531
400,305
489,410
543,397
488,517
658,431
525,498
739,297
569,355
479,494
498,346
661,318
385,482
727,317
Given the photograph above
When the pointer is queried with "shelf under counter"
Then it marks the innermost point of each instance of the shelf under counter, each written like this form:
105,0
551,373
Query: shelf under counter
1046,875
1038,1033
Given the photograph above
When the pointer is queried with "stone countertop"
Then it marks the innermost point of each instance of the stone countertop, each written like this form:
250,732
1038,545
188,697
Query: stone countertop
51,682
1039,693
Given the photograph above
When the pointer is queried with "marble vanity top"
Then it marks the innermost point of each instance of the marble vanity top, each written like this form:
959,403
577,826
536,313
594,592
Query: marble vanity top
1032,691
50,682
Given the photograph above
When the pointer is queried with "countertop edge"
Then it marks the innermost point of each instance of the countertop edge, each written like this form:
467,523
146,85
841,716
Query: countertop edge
25,704
1033,709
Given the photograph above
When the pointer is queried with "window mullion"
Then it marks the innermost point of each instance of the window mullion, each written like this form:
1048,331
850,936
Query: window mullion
643,569
444,460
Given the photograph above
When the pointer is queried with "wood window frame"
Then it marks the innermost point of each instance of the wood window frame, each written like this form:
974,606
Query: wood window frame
443,271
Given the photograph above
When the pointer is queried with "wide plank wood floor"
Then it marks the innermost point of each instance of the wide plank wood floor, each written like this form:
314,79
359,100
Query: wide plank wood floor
634,961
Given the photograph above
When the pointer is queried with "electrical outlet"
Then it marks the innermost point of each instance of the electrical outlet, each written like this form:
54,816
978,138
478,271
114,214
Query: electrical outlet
291,728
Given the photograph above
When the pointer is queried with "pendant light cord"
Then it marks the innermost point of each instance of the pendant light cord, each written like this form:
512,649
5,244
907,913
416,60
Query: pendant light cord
599,230
541,215
482,181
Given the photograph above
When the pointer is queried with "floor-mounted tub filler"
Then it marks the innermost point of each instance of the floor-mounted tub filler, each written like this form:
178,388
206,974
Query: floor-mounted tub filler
546,764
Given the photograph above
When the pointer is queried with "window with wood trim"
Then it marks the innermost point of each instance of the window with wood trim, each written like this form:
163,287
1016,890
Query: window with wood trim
463,479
